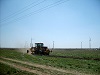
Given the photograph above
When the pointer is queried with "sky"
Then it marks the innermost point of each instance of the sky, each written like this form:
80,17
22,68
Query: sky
69,23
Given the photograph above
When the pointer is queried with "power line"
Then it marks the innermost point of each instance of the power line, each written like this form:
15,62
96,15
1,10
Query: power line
40,10
22,10
19,10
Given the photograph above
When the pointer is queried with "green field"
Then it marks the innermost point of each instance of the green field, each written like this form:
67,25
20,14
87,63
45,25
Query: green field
87,64
8,70
78,53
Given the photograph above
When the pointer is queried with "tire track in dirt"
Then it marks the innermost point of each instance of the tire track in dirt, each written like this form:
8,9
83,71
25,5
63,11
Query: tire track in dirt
24,68
45,67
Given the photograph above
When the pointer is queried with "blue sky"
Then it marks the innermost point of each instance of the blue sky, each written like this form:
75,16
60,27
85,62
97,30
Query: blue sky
67,23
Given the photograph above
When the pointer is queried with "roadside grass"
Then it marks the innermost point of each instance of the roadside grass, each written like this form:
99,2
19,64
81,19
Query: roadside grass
86,66
8,70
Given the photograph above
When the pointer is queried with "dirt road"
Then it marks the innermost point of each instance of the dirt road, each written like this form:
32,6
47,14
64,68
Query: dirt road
39,69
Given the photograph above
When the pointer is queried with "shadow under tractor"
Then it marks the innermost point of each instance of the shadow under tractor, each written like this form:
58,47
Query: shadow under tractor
39,49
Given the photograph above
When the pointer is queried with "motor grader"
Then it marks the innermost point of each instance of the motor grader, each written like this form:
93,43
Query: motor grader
40,49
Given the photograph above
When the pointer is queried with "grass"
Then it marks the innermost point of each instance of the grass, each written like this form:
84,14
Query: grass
8,70
51,72
86,66
78,53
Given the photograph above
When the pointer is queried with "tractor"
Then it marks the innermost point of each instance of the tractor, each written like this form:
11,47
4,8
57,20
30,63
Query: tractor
39,49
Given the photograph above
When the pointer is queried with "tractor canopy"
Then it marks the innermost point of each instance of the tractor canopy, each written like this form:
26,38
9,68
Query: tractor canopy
39,44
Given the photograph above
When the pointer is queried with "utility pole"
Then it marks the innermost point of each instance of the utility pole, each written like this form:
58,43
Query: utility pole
90,43
0,45
31,44
0,36
81,45
53,44
26,44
